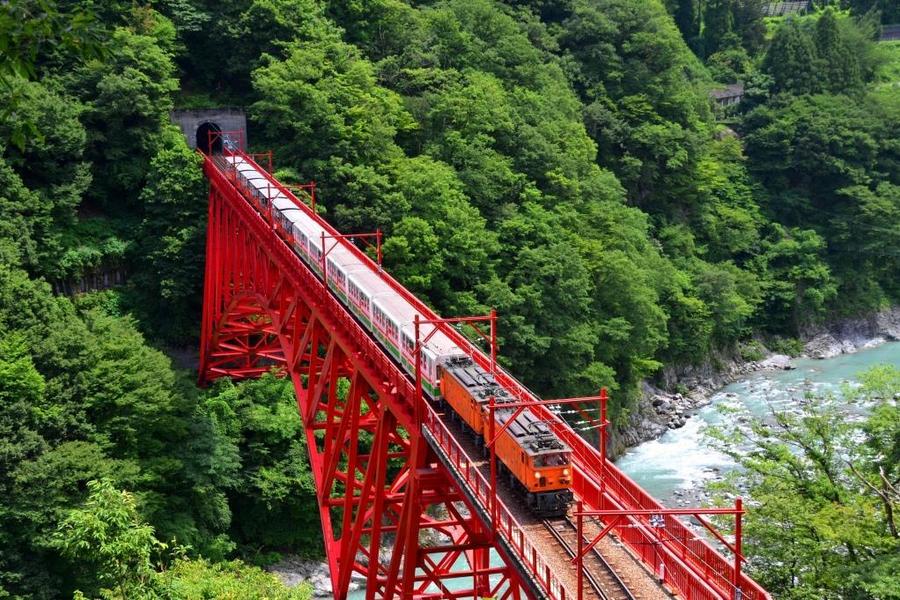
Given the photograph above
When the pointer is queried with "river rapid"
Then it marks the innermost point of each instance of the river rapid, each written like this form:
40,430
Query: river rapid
675,467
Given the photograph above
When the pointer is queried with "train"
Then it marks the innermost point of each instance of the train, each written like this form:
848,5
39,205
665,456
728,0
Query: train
534,461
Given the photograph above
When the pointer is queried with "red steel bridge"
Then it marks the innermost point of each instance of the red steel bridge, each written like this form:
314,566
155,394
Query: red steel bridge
404,507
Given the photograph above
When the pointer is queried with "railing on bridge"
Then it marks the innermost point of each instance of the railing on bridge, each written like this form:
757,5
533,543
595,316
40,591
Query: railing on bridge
691,566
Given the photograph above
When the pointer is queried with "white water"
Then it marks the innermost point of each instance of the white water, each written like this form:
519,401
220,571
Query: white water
680,459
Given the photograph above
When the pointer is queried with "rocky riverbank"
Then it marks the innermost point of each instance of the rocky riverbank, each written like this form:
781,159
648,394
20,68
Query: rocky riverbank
293,571
679,391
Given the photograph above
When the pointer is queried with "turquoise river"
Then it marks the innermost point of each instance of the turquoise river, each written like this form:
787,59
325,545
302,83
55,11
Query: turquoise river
679,462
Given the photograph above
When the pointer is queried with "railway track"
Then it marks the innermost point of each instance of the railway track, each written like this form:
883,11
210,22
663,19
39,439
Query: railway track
599,576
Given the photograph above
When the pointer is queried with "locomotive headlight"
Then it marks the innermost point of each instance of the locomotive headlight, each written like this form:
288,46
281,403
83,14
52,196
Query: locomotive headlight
565,472
537,474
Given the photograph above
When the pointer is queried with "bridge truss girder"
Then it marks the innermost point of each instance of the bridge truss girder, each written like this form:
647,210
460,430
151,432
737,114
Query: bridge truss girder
379,485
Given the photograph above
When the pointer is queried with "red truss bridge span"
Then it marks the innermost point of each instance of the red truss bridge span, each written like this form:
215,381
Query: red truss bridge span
408,505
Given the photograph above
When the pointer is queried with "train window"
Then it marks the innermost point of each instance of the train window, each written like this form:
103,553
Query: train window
408,344
336,275
551,460
523,456
392,329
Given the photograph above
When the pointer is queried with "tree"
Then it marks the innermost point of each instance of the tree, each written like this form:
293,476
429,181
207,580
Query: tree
31,33
822,493
118,557
820,159
638,82
749,23
50,165
687,17
791,60
718,22
271,483
168,256
886,9
196,579
128,99
796,284
838,66
322,106
106,540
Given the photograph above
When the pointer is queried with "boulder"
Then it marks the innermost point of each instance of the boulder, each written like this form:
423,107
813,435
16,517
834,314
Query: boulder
777,361
824,346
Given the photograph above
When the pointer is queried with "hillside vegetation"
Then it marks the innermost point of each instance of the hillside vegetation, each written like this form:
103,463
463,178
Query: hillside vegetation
559,160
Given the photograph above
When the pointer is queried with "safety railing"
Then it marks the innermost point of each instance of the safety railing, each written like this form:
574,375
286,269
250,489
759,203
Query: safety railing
506,525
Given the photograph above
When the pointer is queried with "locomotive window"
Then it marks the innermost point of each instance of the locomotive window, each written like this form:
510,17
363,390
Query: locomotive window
551,460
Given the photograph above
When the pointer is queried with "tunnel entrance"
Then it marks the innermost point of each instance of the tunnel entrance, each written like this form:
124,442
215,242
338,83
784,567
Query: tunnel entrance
203,138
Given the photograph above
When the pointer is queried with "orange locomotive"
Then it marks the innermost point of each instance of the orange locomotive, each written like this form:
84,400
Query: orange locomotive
533,457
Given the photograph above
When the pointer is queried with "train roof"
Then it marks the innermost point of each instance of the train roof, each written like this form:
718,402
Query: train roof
480,384
363,275
345,259
370,282
307,226
244,167
532,433
396,306
282,203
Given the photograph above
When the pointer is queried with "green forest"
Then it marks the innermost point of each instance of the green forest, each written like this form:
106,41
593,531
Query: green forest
558,160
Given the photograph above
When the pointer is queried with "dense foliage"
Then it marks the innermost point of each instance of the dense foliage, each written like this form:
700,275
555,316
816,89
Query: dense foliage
559,160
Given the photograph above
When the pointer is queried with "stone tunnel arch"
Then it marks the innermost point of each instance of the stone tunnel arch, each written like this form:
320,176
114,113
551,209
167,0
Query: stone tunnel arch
191,121
205,140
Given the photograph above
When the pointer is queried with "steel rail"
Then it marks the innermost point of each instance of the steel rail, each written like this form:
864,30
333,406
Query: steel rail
622,593
612,572
591,579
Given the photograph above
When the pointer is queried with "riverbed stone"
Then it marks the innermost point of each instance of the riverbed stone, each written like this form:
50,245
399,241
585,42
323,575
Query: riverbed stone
824,346
777,361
